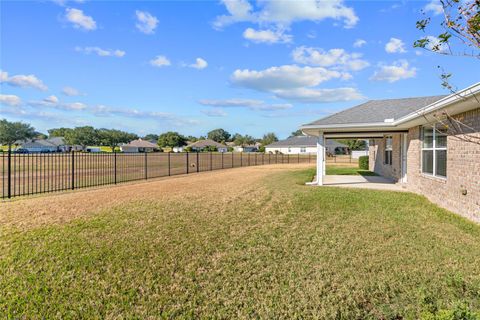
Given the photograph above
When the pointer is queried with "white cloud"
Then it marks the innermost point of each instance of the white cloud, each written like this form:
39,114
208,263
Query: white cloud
24,81
230,102
160,61
101,52
397,71
199,64
51,99
216,112
255,105
146,23
283,77
102,110
307,95
79,19
395,46
295,83
434,6
10,100
286,12
53,102
266,36
337,58
359,43
70,91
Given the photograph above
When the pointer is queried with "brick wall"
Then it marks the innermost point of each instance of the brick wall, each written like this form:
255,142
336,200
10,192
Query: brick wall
377,155
463,170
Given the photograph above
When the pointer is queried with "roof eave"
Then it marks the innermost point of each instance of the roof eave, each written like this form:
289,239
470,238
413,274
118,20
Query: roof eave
386,126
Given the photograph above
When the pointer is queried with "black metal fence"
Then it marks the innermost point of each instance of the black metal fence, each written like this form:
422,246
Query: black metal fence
26,174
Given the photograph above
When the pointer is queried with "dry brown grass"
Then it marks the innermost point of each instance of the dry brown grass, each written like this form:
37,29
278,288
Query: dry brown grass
31,212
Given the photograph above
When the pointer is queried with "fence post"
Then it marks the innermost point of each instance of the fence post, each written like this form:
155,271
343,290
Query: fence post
146,166
168,163
309,157
222,160
9,169
211,164
298,157
115,166
232,160
198,163
241,158
187,162
73,170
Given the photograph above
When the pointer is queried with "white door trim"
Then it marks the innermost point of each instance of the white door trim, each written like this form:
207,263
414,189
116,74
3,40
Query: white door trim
403,155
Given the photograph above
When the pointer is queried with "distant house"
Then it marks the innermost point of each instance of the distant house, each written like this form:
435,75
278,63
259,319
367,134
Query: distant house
139,145
40,145
248,148
55,144
304,144
200,145
178,149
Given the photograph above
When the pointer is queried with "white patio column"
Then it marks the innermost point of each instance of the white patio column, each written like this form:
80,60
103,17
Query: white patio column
320,158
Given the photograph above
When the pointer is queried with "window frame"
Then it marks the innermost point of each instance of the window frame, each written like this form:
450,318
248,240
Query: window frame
434,150
303,149
388,160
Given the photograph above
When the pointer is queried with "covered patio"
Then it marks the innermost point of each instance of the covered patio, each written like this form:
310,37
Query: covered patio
362,182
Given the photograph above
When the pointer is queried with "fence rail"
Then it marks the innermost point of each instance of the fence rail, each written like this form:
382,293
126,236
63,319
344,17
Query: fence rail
27,174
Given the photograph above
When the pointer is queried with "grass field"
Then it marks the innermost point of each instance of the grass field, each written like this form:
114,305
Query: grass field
243,243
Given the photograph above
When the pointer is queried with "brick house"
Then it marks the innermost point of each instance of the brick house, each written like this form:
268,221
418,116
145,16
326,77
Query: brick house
430,145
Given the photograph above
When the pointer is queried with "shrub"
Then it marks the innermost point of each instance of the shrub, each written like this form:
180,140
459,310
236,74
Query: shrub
363,162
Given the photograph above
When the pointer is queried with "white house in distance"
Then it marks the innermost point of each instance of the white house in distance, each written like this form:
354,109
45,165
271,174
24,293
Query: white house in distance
139,145
304,144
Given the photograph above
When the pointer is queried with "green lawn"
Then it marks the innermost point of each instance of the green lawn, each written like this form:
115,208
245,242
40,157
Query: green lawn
349,171
285,251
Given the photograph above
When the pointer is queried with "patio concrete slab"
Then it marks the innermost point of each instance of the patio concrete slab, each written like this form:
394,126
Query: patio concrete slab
364,182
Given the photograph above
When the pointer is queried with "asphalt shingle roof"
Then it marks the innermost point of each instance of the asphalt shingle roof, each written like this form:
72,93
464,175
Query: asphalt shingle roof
139,143
206,143
378,111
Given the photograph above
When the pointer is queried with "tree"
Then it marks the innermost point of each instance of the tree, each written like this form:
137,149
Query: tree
10,132
243,140
296,133
59,132
460,37
268,138
171,139
219,135
354,144
151,136
461,25
113,138
83,136
192,139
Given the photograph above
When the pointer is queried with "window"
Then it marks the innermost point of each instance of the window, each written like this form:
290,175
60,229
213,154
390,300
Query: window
289,149
303,149
434,150
388,151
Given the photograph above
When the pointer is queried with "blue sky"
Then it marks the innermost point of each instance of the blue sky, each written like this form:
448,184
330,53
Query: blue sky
192,66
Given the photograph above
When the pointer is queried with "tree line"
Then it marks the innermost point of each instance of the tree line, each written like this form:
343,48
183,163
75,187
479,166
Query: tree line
12,132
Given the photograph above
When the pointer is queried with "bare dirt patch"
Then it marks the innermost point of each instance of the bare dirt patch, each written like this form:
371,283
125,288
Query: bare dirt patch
32,212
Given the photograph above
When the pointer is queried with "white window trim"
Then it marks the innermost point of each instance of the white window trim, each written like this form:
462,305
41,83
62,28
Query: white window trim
434,148
388,149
